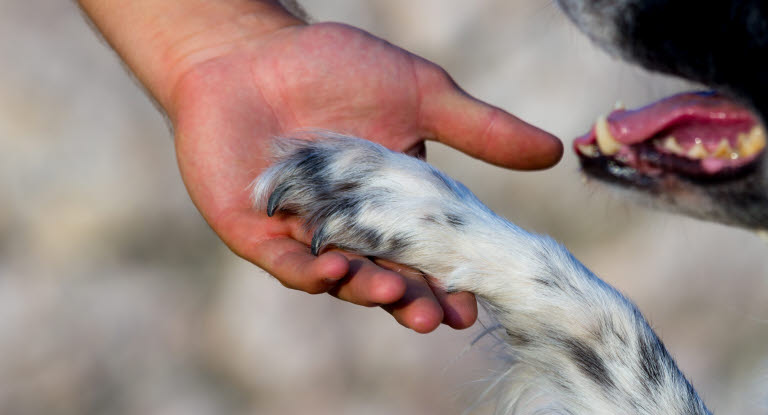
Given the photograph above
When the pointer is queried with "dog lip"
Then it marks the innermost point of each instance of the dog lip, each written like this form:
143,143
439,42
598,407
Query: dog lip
689,115
634,126
641,165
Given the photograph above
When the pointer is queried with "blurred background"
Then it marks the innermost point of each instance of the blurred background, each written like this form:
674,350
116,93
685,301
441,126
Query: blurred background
116,298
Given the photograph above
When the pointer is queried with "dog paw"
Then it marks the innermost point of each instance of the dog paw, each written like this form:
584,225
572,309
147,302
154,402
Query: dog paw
359,196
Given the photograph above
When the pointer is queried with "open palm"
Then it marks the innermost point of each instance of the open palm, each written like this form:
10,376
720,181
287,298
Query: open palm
332,77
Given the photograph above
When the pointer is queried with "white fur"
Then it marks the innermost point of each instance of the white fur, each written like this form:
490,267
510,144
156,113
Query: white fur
578,340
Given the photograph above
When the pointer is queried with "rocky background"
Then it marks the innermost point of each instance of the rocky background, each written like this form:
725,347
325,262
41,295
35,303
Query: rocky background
116,298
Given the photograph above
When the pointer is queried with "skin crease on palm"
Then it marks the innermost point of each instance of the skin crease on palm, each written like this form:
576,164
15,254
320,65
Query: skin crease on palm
227,108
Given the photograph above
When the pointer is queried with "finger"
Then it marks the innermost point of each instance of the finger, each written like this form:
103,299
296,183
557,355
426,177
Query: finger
367,284
459,309
279,246
350,277
295,267
418,308
457,119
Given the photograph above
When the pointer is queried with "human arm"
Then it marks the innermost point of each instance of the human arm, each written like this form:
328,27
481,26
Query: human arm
233,74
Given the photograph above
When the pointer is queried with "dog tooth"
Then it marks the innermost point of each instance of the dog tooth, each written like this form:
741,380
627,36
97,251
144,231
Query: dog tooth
723,149
589,150
757,137
671,144
698,151
741,141
619,105
605,141
753,142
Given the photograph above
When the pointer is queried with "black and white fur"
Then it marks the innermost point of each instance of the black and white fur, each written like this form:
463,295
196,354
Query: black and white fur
576,339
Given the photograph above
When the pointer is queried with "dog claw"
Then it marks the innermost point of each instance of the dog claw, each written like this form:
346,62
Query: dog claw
319,239
275,198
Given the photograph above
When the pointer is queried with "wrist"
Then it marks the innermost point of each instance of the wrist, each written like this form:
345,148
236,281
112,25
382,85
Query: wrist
161,41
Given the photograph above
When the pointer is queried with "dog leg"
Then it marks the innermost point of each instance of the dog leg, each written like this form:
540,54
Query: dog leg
590,346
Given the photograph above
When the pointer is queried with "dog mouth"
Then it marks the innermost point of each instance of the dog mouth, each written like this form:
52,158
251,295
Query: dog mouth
695,135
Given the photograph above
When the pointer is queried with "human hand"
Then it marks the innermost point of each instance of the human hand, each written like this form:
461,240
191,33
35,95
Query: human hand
227,107
338,78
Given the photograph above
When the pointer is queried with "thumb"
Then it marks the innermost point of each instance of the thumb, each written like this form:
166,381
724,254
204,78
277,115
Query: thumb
457,119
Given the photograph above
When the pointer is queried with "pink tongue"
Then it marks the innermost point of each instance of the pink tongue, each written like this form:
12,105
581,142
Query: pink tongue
690,114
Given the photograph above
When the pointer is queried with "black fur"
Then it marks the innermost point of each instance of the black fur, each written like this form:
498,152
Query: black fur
454,220
589,362
649,349
723,44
